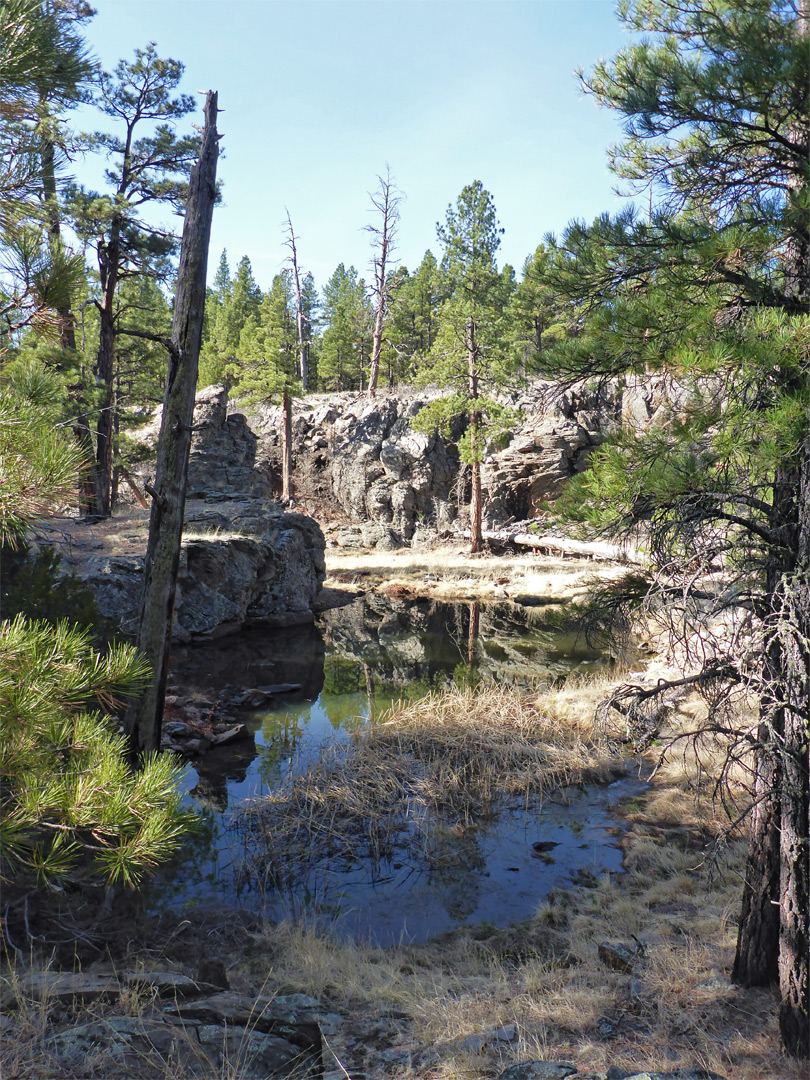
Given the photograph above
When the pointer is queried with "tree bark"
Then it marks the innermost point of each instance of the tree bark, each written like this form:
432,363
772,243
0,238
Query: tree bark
386,202
300,318
144,718
756,959
109,257
794,832
286,447
794,933
476,504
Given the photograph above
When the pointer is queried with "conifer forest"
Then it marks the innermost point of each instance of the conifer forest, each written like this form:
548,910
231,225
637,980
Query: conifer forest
114,314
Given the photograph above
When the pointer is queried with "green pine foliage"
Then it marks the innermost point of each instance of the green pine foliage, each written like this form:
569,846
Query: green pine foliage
269,348
469,355
345,348
71,807
39,463
234,303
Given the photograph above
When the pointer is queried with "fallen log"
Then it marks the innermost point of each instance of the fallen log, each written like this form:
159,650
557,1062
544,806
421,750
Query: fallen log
591,549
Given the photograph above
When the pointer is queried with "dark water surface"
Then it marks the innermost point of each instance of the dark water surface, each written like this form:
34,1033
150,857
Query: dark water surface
351,667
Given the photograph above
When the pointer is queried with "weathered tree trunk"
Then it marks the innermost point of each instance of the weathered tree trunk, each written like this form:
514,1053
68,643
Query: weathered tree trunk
476,508
475,627
144,719
67,339
794,831
794,932
286,447
376,349
301,327
756,959
109,265
476,501
386,201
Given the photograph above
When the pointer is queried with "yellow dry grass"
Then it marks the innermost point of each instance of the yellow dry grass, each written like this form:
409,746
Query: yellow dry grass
677,1010
448,572
445,761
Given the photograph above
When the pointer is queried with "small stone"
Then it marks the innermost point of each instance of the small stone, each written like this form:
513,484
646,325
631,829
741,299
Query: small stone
476,1043
638,988
607,1028
165,983
619,955
539,1070
176,729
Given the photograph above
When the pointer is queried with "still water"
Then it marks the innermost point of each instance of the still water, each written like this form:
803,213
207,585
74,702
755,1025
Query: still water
350,667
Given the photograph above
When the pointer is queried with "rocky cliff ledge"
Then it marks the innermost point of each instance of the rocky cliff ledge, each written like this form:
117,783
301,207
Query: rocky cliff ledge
243,560
359,458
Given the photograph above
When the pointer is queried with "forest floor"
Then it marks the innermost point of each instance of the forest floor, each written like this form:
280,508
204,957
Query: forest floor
468,1005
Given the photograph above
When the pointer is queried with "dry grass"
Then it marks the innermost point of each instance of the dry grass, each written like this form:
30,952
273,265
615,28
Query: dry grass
446,761
446,572
677,1010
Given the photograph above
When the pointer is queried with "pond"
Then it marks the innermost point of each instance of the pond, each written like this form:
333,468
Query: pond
349,669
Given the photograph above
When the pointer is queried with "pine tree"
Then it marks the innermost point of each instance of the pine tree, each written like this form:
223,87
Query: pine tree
346,344
146,169
269,349
414,322
469,356
236,304
536,317
713,290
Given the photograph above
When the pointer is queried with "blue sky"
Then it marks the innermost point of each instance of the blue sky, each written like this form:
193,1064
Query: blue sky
319,95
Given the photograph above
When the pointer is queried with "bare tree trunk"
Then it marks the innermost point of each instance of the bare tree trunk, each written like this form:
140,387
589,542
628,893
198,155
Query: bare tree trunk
476,502
300,317
286,446
476,509
475,625
794,831
109,259
144,719
67,339
756,960
794,932
386,201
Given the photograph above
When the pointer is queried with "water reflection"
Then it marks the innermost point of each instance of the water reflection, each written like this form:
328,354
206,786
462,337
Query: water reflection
351,667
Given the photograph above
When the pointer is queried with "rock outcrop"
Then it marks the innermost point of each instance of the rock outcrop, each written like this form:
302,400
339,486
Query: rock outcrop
361,457
243,559
554,442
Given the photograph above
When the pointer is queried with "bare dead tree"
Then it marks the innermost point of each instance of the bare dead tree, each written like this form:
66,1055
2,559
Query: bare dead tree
386,201
301,319
144,718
